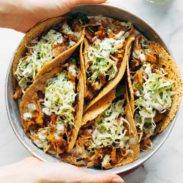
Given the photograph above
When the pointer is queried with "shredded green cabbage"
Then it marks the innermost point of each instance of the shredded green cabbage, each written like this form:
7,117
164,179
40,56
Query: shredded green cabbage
110,128
59,99
156,95
100,56
41,53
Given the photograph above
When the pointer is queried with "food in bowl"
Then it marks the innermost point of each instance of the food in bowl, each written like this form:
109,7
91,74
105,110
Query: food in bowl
101,100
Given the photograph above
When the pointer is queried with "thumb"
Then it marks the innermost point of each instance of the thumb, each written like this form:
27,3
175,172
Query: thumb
103,178
76,2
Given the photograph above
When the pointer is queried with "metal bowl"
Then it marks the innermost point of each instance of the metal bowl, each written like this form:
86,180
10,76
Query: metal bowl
13,110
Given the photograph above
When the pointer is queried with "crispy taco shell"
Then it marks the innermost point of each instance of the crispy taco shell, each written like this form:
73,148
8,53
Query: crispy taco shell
99,107
111,84
32,96
35,32
130,88
166,62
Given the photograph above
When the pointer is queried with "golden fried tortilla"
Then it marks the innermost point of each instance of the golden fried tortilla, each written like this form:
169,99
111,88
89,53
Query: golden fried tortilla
111,84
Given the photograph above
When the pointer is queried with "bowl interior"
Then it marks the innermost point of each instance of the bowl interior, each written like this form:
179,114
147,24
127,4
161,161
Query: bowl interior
13,110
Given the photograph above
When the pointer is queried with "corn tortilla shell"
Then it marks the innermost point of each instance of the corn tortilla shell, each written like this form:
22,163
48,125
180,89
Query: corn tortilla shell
99,107
170,66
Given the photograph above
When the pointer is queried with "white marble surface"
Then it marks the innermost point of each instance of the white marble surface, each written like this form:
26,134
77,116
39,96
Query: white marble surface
166,166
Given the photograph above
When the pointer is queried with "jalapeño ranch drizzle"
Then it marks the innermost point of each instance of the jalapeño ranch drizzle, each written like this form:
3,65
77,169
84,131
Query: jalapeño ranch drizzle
154,96
41,52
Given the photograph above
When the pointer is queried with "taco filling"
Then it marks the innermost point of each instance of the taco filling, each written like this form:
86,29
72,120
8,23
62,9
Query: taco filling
43,49
153,92
104,51
51,118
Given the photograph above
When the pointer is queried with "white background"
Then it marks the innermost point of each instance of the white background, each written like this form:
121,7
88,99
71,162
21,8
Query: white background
166,166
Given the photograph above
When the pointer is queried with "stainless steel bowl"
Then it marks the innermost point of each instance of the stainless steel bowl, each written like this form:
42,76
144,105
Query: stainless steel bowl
12,106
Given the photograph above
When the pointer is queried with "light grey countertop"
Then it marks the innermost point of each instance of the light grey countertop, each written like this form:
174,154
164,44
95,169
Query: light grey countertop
166,166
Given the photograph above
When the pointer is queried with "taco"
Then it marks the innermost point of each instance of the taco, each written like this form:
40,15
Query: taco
155,89
109,140
43,48
51,109
104,55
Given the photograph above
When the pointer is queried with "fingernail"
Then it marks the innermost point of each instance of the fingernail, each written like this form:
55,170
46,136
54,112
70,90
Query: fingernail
117,180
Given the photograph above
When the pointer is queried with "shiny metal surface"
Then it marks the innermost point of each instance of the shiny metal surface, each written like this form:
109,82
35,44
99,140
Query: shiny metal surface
12,106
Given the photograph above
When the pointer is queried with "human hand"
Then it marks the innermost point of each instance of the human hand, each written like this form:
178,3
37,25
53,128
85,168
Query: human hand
32,170
21,15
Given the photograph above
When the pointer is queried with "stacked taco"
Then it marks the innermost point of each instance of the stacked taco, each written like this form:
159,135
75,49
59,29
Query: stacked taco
93,91
110,139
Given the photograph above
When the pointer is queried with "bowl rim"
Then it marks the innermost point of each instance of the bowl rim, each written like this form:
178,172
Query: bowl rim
115,170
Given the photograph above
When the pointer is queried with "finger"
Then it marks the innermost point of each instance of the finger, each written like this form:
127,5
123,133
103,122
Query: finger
77,2
78,175
102,178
